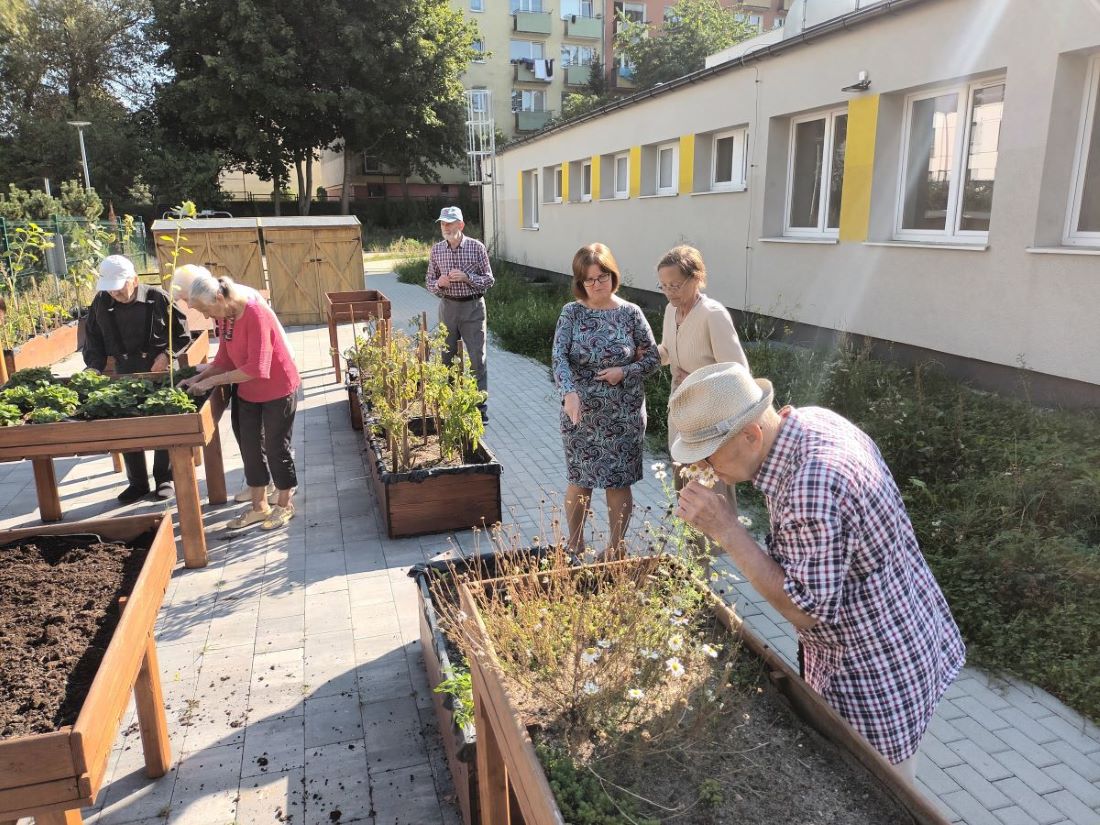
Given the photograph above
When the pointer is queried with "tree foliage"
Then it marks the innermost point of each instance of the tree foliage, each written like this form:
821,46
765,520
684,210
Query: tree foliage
692,30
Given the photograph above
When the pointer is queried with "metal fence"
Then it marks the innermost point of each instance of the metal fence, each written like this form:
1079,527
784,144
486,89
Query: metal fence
65,232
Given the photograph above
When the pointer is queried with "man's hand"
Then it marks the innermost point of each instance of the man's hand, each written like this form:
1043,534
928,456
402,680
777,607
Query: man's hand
573,407
612,375
160,363
708,511
457,276
444,281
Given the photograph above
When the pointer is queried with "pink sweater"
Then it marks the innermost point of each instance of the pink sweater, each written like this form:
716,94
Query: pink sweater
255,343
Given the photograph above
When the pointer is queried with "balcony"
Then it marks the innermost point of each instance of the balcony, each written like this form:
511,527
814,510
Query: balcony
531,22
624,78
524,74
577,75
531,121
591,27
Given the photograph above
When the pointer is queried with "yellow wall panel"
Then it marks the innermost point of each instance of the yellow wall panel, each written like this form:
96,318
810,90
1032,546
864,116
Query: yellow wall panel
565,182
595,177
859,162
687,163
520,199
635,171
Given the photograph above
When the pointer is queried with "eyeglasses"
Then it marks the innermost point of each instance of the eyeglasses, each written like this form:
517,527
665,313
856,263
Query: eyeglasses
671,288
602,279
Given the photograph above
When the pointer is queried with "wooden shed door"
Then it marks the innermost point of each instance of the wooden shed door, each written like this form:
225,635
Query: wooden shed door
232,252
292,270
340,258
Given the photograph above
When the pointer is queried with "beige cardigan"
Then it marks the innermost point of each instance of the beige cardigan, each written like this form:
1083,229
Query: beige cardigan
707,336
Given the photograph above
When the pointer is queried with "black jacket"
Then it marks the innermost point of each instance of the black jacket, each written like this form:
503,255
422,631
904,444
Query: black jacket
134,333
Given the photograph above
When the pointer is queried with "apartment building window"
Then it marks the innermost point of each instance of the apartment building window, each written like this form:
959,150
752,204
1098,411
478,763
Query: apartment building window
479,100
557,192
1083,227
477,5
815,173
479,47
530,100
531,199
525,50
728,160
622,175
577,55
586,181
634,12
777,23
527,5
666,169
949,160
576,8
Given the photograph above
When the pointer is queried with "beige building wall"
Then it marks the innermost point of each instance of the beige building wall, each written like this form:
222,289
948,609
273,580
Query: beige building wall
1021,297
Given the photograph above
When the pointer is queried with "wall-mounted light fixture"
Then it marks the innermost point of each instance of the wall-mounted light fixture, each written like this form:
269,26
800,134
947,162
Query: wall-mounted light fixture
861,85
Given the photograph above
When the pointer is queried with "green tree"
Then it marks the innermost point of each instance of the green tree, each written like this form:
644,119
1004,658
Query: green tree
692,30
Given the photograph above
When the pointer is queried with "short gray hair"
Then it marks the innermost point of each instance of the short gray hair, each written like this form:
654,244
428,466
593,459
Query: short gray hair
205,291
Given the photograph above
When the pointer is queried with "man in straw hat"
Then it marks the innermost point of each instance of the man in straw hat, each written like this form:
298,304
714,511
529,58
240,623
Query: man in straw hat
842,564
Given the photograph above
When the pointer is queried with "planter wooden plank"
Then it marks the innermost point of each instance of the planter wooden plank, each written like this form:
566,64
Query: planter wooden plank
352,306
33,762
43,350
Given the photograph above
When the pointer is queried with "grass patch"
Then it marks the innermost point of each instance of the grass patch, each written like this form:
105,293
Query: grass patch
406,240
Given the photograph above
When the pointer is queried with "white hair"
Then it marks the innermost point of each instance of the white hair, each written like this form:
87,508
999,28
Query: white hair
205,291
186,275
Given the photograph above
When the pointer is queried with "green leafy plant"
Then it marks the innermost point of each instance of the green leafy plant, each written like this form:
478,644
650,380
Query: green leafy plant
185,210
85,383
30,377
10,415
119,399
45,415
461,690
19,397
56,397
168,401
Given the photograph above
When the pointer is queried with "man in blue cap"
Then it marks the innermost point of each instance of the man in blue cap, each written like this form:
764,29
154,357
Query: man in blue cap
459,273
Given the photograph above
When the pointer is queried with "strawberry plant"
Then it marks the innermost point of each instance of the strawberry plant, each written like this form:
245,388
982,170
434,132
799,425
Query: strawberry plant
85,383
119,399
45,415
10,415
55,397
30,377
168,401
20,397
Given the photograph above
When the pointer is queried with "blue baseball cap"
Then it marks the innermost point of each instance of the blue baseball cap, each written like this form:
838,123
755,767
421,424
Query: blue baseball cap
449,214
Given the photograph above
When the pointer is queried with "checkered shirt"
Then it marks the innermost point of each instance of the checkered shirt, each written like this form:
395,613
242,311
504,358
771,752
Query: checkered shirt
885,646
470,257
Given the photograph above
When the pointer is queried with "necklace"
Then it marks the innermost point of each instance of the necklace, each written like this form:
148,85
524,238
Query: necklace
680,320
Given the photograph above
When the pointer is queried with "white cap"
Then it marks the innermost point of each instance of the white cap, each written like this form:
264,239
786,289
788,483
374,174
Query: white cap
114,272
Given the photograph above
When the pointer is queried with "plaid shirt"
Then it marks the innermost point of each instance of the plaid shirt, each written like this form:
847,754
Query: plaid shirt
470,257
885,647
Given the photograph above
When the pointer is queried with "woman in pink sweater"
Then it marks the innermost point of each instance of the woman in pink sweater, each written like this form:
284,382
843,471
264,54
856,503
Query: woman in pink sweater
254,354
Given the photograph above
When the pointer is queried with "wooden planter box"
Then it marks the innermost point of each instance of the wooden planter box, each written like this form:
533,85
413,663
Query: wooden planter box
43,350
353,306
179,434
510,777
355,406
52,776
435,501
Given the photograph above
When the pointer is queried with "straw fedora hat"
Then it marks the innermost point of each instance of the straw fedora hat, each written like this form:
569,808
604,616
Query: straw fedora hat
713,405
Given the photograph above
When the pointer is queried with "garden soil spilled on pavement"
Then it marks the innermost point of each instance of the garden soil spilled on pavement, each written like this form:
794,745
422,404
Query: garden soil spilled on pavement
59,606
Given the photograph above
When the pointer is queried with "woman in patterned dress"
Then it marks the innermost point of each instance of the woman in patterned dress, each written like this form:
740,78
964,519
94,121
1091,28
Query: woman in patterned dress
603,350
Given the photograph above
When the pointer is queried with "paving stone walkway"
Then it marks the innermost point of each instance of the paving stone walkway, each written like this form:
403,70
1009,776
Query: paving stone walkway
292,666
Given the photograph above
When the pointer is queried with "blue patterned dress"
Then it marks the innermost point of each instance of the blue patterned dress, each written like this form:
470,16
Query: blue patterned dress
605,449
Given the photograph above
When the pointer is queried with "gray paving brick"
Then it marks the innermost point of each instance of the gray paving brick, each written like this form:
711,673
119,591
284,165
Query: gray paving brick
975,732
1028,724
1077,734
1075,810
1036,779
943,730
1041,810
1088,792
980,760
1015,815
981,713
1087,766
970,809
273,798
935,778
939,753
406,796
1021,742
984,791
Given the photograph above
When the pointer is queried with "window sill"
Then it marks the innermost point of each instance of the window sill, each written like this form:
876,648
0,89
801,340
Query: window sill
659,195
958,247
820,239
720,191
1063,250
529,228
611,200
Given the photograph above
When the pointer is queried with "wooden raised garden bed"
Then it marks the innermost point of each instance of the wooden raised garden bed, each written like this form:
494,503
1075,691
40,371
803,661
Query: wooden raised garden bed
179,434
513,786
51,776
352,307
355,399
439,500
43,350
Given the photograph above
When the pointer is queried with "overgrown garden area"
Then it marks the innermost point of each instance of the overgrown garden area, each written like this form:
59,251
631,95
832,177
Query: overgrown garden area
1003,495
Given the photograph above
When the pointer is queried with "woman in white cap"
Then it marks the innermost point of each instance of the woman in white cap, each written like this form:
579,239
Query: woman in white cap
842,563
129,322
600,377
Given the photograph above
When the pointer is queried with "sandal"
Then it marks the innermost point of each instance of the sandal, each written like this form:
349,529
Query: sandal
248,519
278,517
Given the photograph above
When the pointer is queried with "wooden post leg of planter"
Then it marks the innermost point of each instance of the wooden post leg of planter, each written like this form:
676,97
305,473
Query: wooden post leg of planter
45,484
197,455
117,459
70,817
215,471
149,699
334,347
492,775
188,506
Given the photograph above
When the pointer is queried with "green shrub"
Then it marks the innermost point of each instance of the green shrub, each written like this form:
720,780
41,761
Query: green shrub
56,397
412,271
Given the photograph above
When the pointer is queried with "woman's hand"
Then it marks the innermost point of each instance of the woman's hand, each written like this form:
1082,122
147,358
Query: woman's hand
196,387
573,407
612,375
679,375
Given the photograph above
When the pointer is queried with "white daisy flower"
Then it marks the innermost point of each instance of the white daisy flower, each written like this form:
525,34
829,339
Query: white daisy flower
745,520
590,656
674,667
635,694
710,651
658,467
676,642
591,688
604,643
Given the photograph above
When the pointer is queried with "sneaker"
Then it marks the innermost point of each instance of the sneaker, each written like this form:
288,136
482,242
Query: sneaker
245,495
279,517
273,494
165,490
133,493
249,519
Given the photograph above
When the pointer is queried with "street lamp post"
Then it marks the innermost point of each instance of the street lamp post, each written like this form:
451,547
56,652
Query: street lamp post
80,124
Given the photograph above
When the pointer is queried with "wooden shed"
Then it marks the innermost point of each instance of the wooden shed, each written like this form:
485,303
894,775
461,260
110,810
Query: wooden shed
225,246
308,257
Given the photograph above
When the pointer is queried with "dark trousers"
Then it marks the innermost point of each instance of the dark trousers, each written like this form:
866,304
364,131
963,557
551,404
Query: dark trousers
265,433
137,471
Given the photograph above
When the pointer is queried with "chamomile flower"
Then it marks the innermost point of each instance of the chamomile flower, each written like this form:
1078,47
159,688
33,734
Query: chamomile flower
658,467
676,642
674,667
660,475
710,651
705,475
745,520
604,643
635,694
591,688
590,656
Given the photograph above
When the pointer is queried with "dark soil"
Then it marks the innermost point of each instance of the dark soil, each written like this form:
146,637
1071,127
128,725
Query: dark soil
59,606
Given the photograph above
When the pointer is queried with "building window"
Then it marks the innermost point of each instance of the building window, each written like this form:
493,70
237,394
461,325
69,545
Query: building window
622,175
1083,227
556,172
527,5
777,23
666,169
576,8
371,165
577,55
531,199
728,161
949,159
525,50
815,175
634,12
530,100
586,181
479,100
479,46
477,5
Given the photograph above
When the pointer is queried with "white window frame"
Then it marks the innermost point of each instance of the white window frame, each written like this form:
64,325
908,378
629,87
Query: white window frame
624,192
477,5
740,161
756,21
586,196
479,46
951,233
532,6
531,199
822,230
568,6
635,8
479,100
530,49
567,50
674,189
1090,109
527,98
557,172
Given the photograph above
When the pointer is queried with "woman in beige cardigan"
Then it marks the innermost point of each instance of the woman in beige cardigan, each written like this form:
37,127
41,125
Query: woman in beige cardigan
697,331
